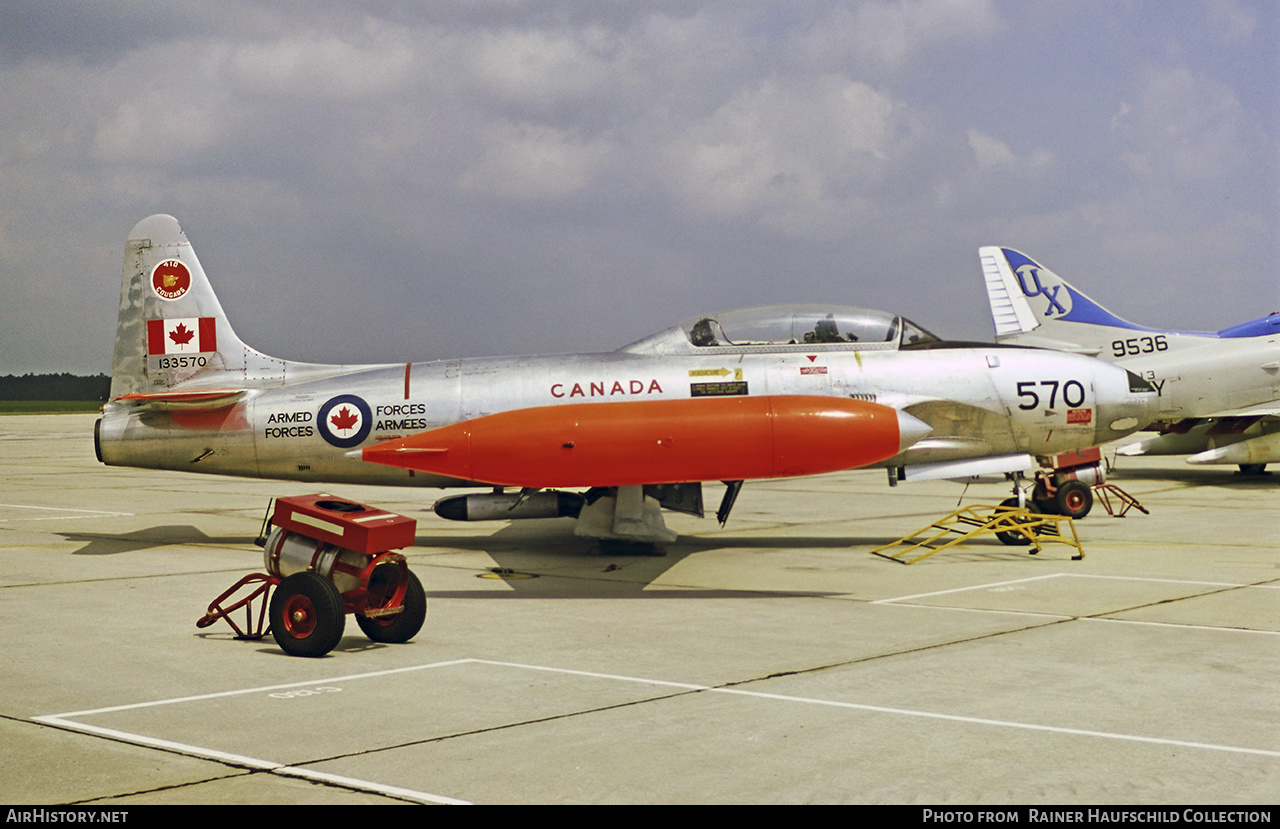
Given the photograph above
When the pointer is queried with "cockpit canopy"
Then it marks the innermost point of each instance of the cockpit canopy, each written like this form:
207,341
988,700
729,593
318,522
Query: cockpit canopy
782,325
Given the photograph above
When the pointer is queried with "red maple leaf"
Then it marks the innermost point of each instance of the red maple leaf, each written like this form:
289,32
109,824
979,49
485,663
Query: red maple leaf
345,419
181,335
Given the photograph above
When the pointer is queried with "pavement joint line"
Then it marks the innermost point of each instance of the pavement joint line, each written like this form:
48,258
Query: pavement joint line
65,721
253,763
905,711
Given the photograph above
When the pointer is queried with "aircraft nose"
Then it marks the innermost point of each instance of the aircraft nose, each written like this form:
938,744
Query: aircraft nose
910,430
1126,403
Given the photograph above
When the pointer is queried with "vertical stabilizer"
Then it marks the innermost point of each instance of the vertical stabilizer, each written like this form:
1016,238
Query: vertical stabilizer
1031,305
171,330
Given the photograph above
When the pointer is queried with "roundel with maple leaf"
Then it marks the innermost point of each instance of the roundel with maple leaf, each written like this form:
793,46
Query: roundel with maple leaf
344,421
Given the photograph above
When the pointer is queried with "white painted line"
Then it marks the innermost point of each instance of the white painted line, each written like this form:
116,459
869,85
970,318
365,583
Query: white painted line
64,721
987,610
987,586
168,745
1079,732
1159,581
1214,628
261,689
992,585
907,712
253,762
82,513
365,785
995,585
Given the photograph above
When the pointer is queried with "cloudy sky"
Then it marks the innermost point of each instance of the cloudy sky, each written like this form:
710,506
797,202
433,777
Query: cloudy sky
378,181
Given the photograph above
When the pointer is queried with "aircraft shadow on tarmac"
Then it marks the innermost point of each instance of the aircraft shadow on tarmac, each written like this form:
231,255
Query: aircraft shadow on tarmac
102,544
544,559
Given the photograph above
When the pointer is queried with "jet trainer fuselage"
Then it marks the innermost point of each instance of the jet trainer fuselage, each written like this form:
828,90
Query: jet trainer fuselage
819,387
999,402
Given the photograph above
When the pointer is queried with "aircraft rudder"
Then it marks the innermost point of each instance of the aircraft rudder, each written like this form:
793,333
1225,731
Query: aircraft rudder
1010,312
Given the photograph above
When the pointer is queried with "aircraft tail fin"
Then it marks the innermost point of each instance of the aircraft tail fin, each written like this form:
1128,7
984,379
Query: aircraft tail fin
1031,305
171,331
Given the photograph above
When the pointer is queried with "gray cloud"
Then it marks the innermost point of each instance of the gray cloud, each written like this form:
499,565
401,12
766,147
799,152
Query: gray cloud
384,181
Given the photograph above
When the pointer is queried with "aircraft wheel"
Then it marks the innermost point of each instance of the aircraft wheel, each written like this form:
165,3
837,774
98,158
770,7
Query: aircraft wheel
307,615
1253,468
1010,537
1045,506
1073,499
404,625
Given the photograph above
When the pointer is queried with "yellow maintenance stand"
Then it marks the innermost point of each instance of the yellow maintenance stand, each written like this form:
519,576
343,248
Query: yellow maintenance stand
1011,524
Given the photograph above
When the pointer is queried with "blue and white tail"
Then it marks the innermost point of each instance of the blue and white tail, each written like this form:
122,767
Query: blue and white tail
1031,305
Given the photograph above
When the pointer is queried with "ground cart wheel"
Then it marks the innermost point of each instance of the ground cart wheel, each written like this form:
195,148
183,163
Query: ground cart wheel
1074,499
307,614
402,626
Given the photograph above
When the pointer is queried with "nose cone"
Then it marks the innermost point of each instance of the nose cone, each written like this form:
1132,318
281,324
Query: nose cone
910,430
1126,403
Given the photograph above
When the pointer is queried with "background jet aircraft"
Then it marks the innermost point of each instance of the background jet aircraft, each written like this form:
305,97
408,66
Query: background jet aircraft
1219,394
763,393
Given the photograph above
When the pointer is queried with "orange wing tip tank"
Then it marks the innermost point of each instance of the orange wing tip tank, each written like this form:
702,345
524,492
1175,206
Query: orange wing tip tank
658,441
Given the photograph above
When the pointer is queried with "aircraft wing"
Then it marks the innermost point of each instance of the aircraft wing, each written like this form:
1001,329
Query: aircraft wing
1247,437
1270,409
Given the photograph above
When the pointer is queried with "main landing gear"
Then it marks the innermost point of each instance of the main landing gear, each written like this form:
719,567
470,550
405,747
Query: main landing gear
326,558
1067,489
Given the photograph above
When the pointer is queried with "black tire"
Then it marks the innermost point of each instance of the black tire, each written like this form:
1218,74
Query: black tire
1073,499
404,625
1253,468
307,615
1045,506
1010,537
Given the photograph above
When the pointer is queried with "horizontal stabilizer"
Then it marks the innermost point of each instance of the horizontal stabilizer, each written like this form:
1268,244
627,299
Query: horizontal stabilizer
192,400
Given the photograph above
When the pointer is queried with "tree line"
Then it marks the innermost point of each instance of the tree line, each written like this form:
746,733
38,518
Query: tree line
55,387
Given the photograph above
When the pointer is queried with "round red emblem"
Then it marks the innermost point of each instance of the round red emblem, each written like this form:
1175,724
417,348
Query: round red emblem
170,279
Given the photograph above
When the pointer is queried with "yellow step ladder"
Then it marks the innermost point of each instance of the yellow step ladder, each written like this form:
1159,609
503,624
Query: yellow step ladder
1011,525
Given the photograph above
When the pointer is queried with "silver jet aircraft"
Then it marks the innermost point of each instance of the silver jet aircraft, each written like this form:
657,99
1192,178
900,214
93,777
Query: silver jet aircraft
762,393
1218,393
